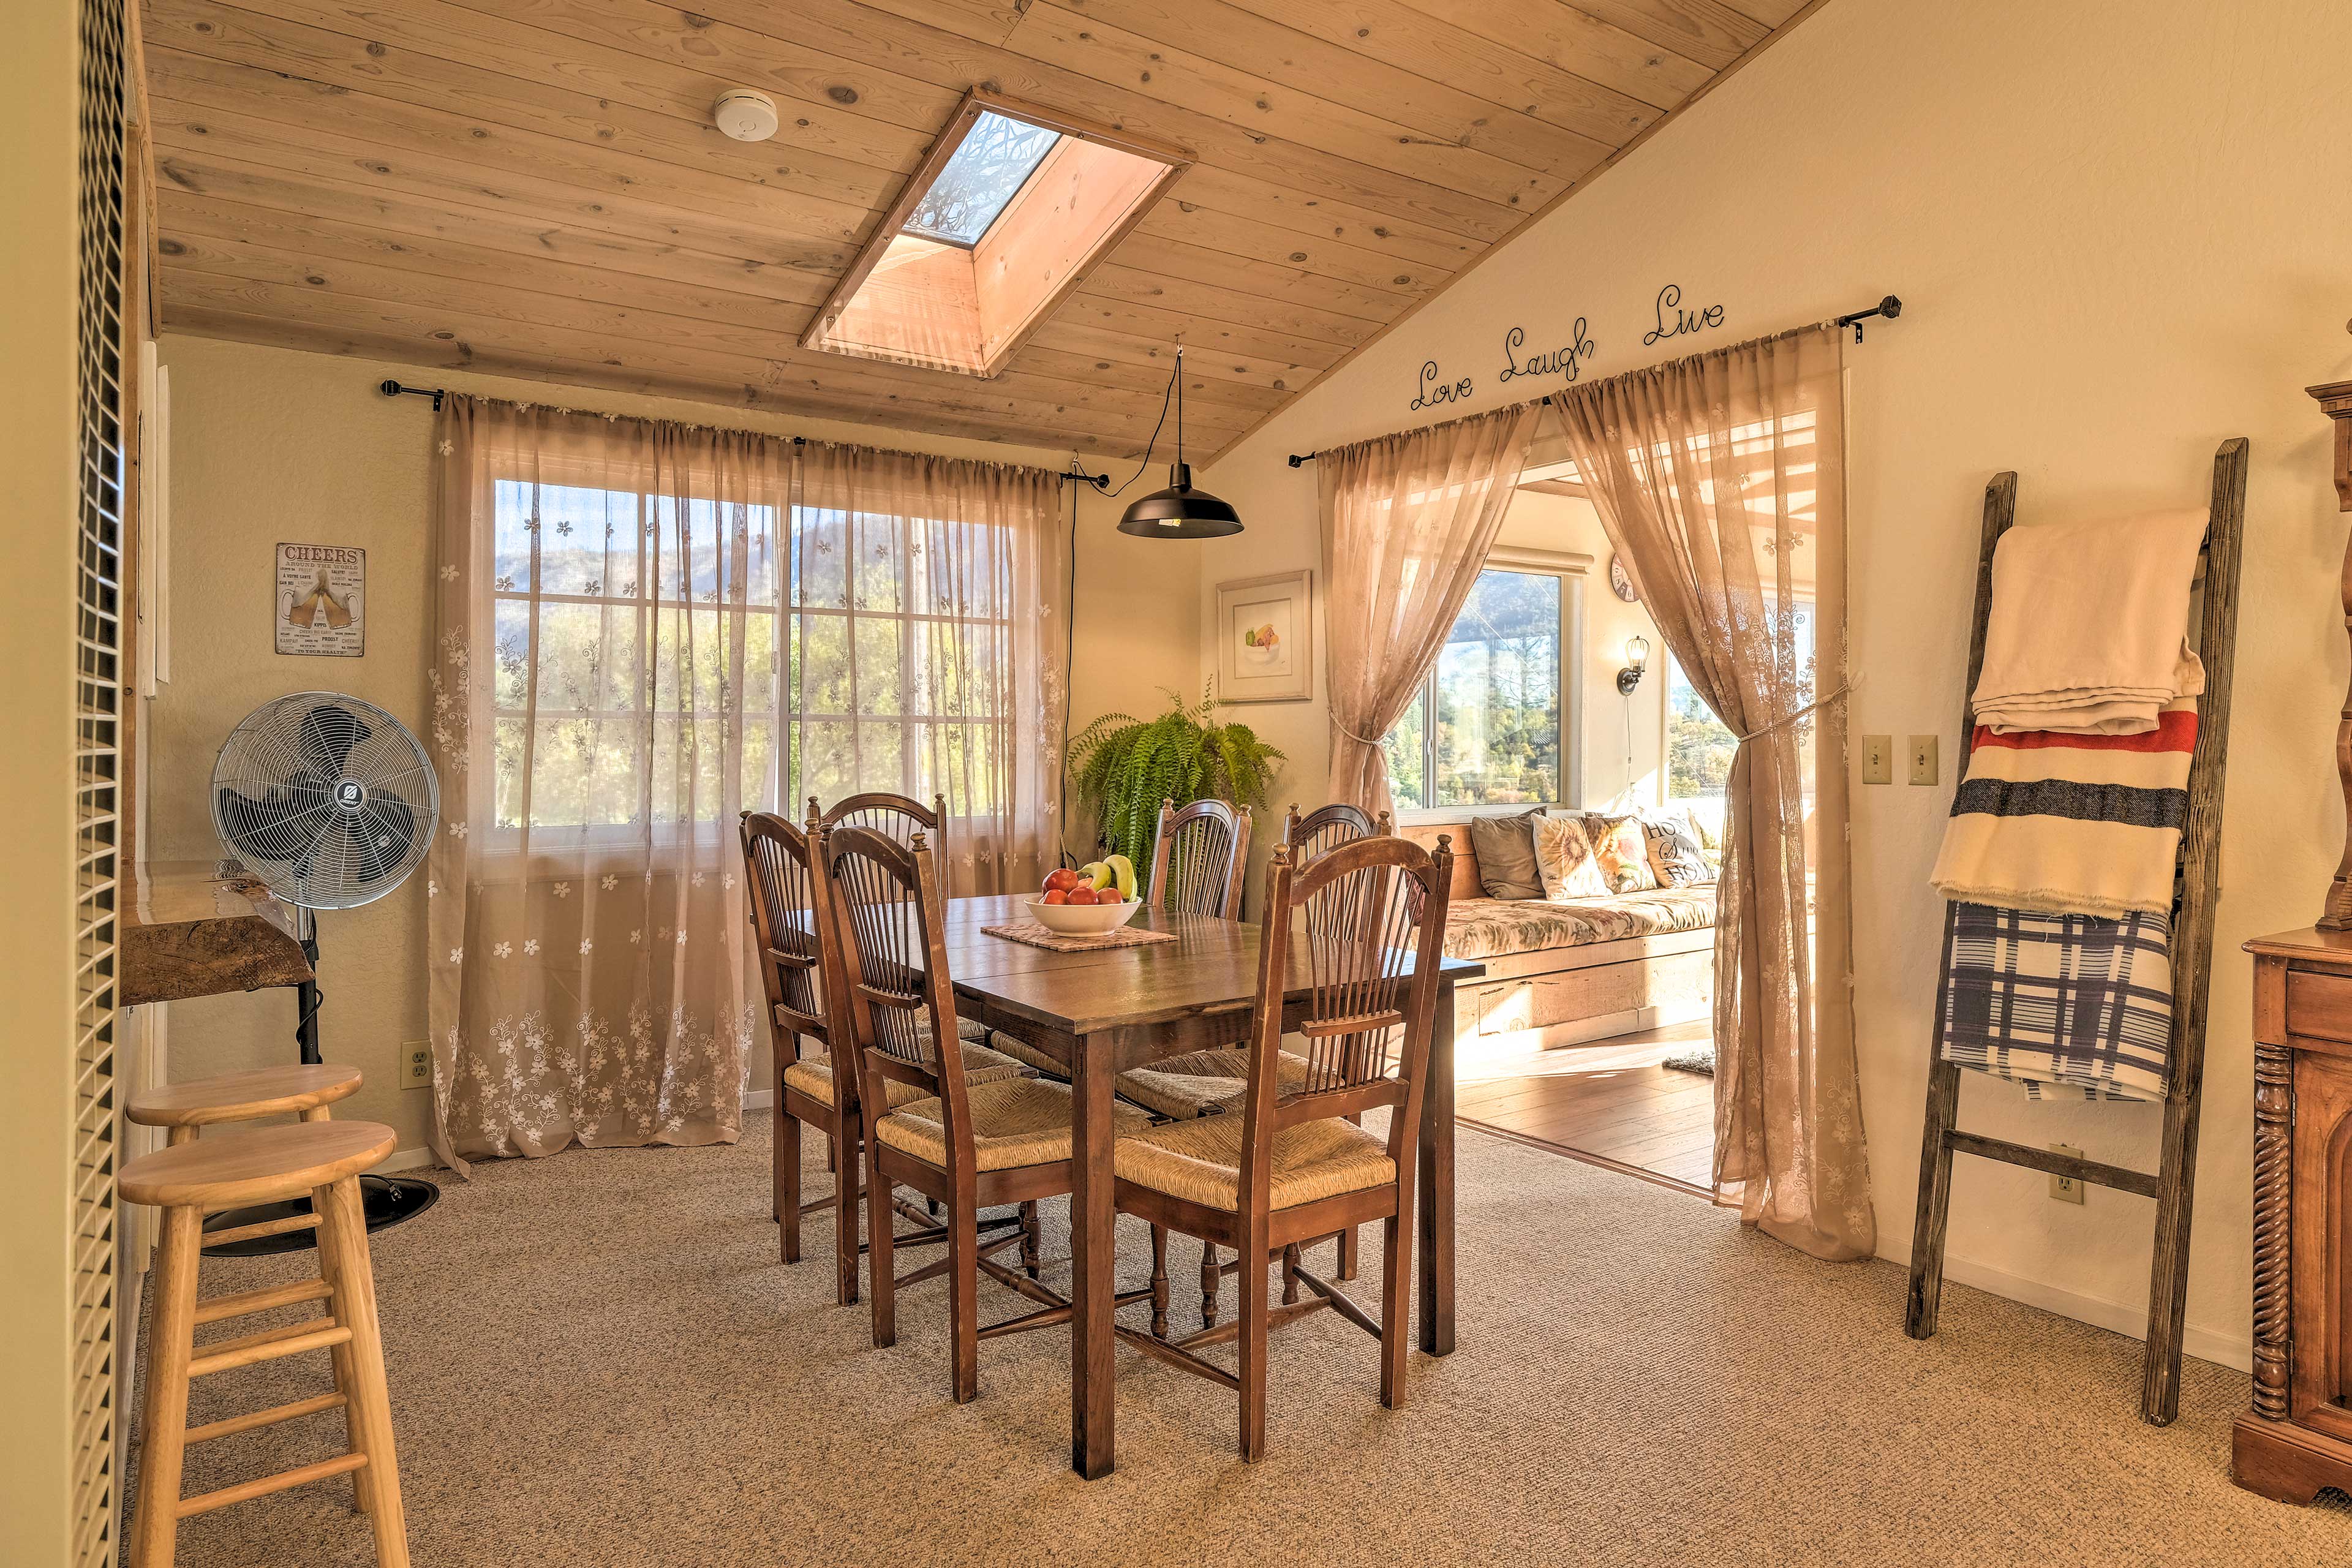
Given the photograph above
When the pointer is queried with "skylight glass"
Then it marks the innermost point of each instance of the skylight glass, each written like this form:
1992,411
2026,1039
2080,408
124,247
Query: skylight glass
984,173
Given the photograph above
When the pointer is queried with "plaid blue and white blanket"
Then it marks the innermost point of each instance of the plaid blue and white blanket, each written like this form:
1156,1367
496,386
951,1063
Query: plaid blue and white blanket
2069,1006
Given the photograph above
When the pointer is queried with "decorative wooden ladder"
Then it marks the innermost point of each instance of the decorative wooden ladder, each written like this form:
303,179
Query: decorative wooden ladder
2196,890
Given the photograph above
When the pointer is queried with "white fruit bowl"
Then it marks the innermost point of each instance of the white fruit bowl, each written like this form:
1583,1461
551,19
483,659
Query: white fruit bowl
1083,920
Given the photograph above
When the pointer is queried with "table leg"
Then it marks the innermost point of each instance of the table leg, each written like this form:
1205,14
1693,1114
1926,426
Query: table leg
1435,1300
1093,1392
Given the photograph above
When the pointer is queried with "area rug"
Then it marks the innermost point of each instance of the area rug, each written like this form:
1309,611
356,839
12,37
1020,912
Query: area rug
596,1358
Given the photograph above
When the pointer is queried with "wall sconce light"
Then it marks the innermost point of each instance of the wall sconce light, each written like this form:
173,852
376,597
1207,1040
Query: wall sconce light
1637,658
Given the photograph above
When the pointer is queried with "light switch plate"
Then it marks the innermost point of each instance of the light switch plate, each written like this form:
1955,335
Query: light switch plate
1923,758
1877,759
415,1065
2066,1189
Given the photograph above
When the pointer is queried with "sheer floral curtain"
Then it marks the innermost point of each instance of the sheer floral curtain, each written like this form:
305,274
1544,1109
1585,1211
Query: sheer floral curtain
1720,480
928,648
1407,521
604,677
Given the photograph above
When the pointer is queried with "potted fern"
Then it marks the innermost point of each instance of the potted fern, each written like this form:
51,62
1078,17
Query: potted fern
1124,767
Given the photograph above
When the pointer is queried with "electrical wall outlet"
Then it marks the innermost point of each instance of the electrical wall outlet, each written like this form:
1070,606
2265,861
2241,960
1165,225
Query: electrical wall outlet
1923,758
415,1065
2066,1189
1877,759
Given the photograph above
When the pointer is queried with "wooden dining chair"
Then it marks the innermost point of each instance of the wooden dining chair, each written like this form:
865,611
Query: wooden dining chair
1290,1167
896,816
788,923
968,1146
1206,1082
1197,855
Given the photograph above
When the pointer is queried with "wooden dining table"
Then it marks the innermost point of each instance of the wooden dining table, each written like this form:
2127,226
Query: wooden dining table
1105,1010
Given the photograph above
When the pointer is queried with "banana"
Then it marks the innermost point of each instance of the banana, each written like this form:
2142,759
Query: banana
1097,873
1122,872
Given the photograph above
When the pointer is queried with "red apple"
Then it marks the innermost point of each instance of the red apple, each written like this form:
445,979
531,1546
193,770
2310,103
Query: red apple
1060,877
1055,896
1083,895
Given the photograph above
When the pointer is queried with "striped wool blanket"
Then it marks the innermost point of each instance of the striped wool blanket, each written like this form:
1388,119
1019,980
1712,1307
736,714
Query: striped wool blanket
2086,825
2072,1006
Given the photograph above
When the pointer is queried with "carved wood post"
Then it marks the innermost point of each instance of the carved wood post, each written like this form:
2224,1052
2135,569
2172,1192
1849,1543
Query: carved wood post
2336,399
2274,1214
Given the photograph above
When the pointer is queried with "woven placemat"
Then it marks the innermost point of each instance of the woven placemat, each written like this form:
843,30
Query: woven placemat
1031,934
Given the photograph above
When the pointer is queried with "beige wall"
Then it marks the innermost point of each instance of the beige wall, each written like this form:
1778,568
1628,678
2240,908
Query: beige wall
270,445
2119,241
37,245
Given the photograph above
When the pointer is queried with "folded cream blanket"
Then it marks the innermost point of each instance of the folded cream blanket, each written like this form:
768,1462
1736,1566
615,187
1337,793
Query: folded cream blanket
2088,635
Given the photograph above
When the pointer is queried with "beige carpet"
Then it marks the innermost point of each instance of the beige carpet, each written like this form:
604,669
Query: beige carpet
595,1359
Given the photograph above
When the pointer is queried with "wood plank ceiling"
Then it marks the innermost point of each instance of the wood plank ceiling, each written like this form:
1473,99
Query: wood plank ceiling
534,187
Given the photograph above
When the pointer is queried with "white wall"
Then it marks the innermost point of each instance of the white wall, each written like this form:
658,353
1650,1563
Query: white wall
2120,236
271,444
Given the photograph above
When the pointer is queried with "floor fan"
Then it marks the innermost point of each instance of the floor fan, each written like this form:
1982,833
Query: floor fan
332,802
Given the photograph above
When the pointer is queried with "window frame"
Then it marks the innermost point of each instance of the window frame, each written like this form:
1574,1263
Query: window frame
1574,569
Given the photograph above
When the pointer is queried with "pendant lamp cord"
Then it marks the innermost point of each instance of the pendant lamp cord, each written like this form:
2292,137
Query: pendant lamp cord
1173,389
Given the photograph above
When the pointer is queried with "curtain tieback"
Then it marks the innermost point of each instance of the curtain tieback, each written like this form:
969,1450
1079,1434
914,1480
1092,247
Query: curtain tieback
1799,713
1353,736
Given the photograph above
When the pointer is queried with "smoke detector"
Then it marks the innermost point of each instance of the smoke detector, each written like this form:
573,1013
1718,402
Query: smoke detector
745,115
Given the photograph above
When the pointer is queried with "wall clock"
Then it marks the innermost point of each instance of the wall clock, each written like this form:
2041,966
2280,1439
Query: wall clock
1621,581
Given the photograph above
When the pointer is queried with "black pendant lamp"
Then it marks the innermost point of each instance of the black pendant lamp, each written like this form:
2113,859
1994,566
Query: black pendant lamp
1180,512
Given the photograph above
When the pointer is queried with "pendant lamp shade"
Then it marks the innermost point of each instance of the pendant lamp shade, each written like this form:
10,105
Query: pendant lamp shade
1180,512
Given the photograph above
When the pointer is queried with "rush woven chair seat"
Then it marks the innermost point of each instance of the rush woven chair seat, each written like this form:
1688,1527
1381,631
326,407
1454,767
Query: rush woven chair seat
323,1160
1287,1167
964,1146
1200,1161
813,1076
303,1090
1015,1122
1202,1083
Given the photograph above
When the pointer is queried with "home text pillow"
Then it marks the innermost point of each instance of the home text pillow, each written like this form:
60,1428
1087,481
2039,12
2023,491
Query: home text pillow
1622,846
1564,856
1506,848
1677,857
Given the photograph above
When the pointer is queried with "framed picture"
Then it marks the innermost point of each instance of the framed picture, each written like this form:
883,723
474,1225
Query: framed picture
1265,639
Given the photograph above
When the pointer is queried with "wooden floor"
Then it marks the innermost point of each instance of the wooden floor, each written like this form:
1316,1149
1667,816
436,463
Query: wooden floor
1609,1102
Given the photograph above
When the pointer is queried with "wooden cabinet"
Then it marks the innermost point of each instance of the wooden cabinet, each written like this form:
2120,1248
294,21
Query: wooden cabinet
2299,1436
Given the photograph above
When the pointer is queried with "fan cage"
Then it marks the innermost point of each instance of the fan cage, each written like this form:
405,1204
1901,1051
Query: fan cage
274,799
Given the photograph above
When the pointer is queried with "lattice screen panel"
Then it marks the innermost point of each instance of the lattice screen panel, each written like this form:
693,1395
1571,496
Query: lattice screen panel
99,636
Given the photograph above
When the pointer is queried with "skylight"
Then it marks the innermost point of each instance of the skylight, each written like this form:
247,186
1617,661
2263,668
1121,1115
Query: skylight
997,159
998,222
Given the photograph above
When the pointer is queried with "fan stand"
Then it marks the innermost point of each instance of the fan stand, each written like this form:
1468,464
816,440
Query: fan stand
388,1200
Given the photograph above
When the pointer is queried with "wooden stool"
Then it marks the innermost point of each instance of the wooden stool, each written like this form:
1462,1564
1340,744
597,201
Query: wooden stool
242,1096
267,1165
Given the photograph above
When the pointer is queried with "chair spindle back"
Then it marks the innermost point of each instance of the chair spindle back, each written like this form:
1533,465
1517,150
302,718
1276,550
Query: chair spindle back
1369,960
786,921
894,816
1328,828
891,917
1197,856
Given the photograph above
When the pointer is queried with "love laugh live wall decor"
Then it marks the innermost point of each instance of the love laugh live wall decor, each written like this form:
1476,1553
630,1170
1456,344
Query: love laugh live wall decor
1560,355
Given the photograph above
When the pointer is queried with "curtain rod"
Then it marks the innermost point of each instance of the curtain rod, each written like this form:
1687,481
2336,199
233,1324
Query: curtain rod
1101,482
1890,307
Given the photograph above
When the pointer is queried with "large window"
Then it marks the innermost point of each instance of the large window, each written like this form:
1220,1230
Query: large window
1699,746
623,632
900,671
1494,724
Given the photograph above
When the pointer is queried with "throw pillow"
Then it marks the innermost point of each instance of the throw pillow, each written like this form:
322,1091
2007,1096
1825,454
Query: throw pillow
1564,856
1677,858
1506,848
1623,847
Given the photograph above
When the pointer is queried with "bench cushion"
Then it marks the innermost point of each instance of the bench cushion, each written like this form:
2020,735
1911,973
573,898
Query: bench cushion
1490,928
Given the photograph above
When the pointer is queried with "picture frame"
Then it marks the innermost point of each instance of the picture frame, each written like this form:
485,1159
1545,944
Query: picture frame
1265,637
